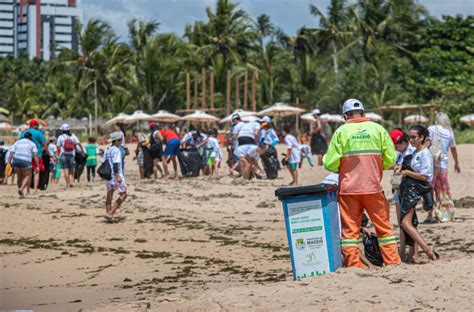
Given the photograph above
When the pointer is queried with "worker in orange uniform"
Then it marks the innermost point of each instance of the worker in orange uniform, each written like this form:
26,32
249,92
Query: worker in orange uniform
359,151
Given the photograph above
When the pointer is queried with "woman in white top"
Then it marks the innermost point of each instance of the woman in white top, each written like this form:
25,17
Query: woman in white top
417,173
442,140
21,156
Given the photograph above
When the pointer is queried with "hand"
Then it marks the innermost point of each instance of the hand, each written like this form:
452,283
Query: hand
457,169
118,178
397,168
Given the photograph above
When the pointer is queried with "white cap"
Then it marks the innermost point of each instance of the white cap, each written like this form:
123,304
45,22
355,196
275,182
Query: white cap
65,127
352,104
114,136
235,117
316,112
265,119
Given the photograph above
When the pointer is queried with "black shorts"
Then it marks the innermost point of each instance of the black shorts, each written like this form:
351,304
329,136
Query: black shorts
246,141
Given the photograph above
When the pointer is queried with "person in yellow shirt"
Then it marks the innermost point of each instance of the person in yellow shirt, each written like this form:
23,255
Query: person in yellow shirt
359,151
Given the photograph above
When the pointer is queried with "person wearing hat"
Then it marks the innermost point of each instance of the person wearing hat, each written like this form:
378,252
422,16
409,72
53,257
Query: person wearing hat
113,155
268,136
236,125
40,140
215,156
67,143
319,143
359,151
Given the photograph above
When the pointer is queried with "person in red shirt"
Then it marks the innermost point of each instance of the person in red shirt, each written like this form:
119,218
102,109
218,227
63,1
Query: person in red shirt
171,139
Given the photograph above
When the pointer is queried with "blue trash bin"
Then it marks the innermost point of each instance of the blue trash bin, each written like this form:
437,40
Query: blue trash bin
313,228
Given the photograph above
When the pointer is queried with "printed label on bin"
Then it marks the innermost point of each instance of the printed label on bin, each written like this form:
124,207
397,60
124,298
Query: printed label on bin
308,238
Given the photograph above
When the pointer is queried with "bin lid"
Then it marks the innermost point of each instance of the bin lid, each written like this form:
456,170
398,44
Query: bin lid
315,190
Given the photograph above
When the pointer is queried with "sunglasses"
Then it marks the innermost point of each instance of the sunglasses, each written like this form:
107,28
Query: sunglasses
412,137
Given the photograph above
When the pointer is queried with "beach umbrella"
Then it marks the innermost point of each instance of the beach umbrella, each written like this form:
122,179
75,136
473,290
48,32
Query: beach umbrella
117,119
242,113
469,119
250,118
6,126
332,118
164,116
280,110
308,117
200,116
137,116
374,117
415,119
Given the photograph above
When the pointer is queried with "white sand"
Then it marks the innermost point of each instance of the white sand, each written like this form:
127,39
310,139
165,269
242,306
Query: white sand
206,244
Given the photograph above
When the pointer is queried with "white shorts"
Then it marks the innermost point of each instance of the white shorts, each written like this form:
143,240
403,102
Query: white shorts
116,186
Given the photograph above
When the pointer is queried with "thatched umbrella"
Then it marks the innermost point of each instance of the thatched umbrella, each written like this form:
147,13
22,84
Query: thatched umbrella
242,113
200,116
469,119
281,110
164,116
415,119
374,117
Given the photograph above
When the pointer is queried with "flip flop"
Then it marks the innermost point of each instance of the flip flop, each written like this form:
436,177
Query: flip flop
20,193
109,219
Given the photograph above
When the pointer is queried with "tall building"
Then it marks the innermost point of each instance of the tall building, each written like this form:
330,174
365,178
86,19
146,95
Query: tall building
41,28
7,27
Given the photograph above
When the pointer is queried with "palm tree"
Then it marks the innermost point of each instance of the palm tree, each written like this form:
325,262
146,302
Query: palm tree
335,31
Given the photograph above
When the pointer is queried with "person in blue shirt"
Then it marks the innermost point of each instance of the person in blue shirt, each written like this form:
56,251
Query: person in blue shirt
40,141
267,136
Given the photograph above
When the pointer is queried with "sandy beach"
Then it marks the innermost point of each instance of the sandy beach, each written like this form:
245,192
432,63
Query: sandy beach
209,244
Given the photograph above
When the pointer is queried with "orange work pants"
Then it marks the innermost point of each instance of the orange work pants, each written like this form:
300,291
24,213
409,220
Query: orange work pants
377,207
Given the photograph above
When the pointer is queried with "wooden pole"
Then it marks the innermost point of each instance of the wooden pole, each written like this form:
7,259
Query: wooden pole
227,105
195,90
237,92
212,90
246,89
254,90
203,87
188,91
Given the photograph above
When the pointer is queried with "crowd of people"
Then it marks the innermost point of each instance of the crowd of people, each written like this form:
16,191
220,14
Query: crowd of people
358,151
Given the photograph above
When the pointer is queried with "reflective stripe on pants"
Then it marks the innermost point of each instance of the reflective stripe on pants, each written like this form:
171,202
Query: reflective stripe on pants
377,207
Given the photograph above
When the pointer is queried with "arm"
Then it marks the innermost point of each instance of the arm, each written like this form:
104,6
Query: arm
10,158
414,175
454,152
318,126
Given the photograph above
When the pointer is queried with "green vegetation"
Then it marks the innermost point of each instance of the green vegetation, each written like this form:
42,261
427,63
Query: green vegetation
384,52
464,136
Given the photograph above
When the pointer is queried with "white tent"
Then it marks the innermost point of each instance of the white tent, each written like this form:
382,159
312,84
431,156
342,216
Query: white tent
469,119
415,119
117,119
374,117
281,110
242,113
164,116
200,116
136,117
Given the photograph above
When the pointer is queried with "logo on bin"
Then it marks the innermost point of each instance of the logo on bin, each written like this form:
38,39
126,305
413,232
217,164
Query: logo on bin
300,244
311,260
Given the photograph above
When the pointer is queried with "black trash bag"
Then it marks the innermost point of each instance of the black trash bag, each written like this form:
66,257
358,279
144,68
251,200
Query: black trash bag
147,163
372,249
189,162
44,175
80,159
105,171
411,191
270,163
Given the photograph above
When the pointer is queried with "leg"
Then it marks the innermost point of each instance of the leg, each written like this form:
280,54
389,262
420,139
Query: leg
67,177
108,201
93,173
378,208
26,178
320,160
351,218
88,174
141,169
165,166
402,248
118,203
19,178
175,166
415,235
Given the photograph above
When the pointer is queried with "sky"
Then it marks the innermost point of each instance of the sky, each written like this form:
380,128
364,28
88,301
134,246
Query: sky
173,15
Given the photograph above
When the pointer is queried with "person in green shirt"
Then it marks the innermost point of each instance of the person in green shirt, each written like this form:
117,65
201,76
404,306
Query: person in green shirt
91,163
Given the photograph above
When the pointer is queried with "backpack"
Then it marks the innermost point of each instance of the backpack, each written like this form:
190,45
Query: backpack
436,148
68,144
